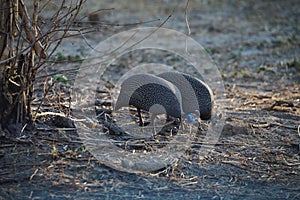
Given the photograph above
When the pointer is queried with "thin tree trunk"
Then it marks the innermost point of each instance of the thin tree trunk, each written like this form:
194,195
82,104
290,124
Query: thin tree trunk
14,81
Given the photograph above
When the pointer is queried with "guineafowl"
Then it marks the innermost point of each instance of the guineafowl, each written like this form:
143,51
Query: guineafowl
196,95
150,93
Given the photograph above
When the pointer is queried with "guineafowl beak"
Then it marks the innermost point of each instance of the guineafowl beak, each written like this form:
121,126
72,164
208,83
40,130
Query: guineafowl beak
199,122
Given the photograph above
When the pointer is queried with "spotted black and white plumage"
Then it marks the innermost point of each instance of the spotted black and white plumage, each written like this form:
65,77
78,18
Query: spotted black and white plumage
150,93
196,95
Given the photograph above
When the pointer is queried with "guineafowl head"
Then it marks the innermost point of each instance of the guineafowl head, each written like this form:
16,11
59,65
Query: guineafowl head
192,118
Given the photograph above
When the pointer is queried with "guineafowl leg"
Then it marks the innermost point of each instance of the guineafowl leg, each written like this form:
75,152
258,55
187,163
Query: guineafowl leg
140,117
180,123
152,118
168,118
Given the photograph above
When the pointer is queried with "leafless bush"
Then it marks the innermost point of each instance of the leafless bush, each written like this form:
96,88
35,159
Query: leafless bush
27,42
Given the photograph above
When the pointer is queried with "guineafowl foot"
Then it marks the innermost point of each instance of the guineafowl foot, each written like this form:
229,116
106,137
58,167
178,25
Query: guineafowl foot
146,123
141,123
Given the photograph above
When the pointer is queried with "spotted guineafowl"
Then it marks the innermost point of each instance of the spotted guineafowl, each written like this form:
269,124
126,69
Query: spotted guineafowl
150,93
196,95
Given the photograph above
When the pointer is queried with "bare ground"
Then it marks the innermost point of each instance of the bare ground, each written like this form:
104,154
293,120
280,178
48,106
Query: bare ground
256,46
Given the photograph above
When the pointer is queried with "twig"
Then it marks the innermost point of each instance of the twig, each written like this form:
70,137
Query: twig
30,32
236,164
266,125
187,24
56,129
42,100
60,140
290,164
73,16
281,103
34,173
100,10
186,17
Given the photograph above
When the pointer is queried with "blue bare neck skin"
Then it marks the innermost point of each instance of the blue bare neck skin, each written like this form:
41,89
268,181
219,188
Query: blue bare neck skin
192,118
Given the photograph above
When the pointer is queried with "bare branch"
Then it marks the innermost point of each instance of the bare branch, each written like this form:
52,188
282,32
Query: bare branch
30,32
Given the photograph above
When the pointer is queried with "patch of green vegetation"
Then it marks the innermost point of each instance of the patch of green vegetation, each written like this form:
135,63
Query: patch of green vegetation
235,55
81,50
60,57
265,68
277,42
208,71
273,23
245,73
211,50
294,63
74,58
60,78
121,66
175,58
